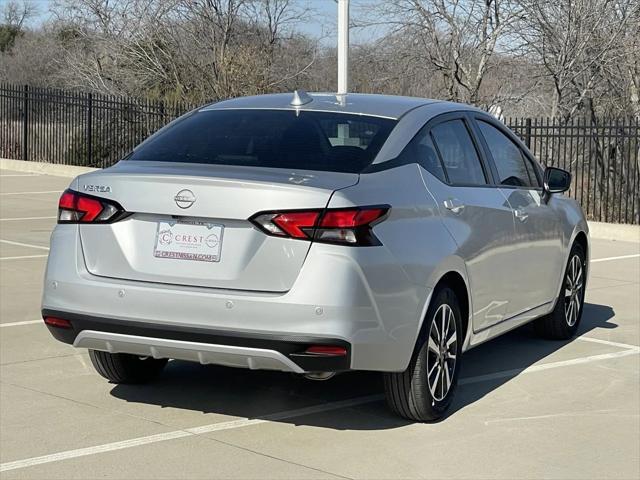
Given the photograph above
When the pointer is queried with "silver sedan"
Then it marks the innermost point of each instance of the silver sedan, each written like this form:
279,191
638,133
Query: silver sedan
317,234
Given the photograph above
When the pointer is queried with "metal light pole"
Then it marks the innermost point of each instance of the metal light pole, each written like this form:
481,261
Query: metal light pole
343,46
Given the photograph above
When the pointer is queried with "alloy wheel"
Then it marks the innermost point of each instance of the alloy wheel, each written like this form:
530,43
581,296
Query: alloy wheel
573,287
441,352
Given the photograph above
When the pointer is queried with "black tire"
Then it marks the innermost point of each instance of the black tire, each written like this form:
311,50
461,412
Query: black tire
563,322
125,368
409,393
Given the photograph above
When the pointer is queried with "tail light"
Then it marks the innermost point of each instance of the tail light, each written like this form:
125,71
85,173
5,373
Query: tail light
75,207
345,226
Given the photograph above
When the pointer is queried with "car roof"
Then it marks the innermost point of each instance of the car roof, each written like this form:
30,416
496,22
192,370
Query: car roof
386,106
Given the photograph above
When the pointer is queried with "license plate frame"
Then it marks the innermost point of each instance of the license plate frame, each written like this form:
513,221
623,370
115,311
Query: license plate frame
197,241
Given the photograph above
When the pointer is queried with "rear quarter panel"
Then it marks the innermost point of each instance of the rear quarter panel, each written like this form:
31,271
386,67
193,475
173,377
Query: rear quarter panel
416,251
573,222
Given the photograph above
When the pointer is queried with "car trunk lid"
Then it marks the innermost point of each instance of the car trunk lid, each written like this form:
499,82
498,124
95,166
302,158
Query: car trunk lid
189,223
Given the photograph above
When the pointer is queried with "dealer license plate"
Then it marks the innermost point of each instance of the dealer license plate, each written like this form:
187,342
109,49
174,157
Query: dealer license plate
198,241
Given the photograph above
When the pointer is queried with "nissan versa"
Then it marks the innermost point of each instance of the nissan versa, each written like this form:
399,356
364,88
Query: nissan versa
315,234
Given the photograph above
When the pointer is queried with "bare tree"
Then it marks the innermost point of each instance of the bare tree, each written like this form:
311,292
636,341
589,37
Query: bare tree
15,14
184,49
576,42
627,66
32,61
457,37
14,17
533,57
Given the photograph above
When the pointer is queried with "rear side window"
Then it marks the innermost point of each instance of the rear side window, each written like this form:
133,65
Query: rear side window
422,151
459,155
334,142
514,169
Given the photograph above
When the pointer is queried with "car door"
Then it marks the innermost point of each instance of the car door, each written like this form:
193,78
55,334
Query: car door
473,210
538,238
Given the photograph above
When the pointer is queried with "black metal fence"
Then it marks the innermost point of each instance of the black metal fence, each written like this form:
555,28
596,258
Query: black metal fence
49,125
603,156
75,128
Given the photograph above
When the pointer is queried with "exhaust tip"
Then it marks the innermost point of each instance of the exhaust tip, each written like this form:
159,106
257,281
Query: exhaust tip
319,376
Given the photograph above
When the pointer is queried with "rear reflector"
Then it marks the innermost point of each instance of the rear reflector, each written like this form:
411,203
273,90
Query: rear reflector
57,322
75,207
346,226
326,350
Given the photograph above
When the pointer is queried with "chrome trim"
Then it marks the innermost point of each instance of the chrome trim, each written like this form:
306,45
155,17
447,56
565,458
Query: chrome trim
294,109
204,353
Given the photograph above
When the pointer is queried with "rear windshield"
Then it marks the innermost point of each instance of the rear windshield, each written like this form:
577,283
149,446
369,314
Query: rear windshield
334,142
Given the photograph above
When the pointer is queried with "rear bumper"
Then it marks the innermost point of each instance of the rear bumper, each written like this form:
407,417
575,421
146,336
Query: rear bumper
361,297
206,346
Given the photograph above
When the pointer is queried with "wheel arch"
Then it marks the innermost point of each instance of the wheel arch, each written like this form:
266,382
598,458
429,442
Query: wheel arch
582,239
455,278
455,281
580,236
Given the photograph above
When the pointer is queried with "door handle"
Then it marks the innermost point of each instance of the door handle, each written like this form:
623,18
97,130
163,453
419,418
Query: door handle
521,215
453,204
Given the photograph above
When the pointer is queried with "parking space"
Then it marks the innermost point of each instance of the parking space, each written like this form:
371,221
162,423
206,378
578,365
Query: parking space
525,408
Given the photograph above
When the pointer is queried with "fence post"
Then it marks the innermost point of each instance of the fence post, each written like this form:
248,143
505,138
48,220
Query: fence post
527,133
90,130
25,124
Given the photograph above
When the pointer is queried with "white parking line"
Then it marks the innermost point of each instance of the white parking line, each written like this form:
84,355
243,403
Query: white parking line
17,324
245,422
25,218
607,342
621,257
3,175
23,256
31,193
548,366
187,432
20,244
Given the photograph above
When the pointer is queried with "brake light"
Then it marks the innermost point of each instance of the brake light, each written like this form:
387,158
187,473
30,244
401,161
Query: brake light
347,226
351,218
296,224
75,207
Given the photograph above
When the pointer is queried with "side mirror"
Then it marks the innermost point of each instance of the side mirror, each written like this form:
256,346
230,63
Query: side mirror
556,180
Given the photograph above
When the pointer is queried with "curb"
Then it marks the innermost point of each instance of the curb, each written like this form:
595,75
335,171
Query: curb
44,168
614,231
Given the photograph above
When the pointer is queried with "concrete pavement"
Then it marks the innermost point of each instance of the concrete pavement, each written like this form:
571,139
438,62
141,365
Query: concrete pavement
526,407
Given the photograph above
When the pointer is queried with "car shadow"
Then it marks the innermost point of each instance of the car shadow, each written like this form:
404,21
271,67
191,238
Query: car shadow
251,394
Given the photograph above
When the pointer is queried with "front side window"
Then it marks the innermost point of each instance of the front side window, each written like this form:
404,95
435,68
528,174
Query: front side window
333,142
459,155
514,169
